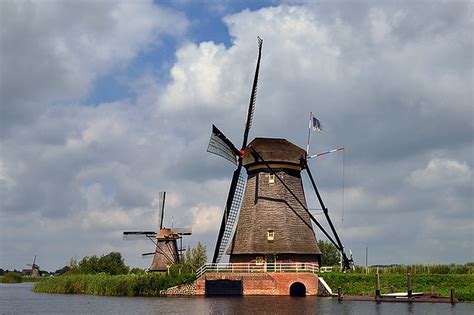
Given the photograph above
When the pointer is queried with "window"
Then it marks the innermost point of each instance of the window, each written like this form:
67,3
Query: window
271,179
259,260
270,235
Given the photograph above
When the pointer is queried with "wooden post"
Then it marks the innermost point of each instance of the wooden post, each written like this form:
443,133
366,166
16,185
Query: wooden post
377,286
409,285
433,290
452,296
339,294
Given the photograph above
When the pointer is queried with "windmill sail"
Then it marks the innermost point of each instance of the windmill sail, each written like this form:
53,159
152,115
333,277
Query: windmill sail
161,205
253,96
220,145
237,186
229,221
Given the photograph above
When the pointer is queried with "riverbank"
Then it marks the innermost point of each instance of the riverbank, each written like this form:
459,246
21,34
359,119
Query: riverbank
103,284
351,284
17,278
364,284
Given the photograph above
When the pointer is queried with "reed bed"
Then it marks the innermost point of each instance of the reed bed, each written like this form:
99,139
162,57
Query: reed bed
118,285
419,269
364,284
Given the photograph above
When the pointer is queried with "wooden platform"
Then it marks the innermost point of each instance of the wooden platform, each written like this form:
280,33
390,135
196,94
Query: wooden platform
426,298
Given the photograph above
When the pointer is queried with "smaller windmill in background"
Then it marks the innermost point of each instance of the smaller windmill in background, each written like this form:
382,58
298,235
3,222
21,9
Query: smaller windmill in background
34,271
165,240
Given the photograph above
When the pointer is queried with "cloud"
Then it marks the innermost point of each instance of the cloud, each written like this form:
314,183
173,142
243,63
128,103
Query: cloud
54,51
392,85
441,173
206,219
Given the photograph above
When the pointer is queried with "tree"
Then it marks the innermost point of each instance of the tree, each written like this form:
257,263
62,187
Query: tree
62,271
330,254
191,260
111,263
196,257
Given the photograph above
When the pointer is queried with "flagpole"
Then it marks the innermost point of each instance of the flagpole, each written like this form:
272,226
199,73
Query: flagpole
309,134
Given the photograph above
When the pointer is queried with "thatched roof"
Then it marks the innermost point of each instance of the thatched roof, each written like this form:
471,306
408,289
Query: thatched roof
274,150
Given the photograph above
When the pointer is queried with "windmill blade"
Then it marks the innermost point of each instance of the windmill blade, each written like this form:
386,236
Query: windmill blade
234,199
147,254
133,235
183,231
253,96
34,260
220,145
161,205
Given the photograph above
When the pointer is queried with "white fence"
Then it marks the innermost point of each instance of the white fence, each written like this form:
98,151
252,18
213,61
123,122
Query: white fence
253,267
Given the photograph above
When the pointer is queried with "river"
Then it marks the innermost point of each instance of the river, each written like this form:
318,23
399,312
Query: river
19,299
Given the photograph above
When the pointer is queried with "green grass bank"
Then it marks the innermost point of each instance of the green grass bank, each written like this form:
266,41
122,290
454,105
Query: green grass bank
12,277
364,284
118,285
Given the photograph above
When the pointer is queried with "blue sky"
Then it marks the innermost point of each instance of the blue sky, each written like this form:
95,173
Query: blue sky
206,22
106,103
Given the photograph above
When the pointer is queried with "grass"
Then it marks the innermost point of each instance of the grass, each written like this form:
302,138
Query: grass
103,284
422,269
364,284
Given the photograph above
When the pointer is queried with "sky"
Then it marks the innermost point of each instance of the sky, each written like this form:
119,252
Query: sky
106,103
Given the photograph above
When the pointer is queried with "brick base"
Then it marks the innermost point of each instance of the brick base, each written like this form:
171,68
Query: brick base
263,283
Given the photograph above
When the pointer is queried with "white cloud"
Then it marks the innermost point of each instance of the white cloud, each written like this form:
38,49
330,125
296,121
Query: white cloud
384,81
55,50
441,173
206,219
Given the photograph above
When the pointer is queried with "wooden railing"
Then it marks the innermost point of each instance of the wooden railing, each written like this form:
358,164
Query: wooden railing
253,267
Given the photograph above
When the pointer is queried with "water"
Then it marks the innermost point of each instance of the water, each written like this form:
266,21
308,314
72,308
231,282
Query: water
18,299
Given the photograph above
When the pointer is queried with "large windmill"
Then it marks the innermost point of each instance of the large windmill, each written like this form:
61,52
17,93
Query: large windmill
165,240
274,223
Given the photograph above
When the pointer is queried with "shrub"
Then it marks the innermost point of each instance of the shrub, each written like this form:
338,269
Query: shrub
12,277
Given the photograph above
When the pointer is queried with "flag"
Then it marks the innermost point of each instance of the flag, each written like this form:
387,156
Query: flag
317,125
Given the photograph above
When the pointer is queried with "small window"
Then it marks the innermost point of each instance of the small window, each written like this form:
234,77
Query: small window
270,235
259,260
271,179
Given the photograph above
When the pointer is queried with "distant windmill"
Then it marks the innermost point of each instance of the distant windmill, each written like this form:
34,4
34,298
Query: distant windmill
165,239
35,269
268,210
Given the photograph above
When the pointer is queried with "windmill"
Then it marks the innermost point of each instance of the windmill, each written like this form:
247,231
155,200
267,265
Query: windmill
165,240
35,269
274,223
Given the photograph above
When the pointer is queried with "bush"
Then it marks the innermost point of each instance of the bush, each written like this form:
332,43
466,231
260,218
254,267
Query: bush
11,277
118,285
111,264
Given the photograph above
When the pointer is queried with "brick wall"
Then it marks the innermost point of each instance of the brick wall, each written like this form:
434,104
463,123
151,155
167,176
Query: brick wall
264,283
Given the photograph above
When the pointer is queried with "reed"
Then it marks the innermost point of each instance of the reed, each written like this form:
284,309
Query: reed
118,285
364,284
421,269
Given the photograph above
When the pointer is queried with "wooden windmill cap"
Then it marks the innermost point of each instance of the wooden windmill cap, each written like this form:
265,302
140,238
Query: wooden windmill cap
279,153
166,234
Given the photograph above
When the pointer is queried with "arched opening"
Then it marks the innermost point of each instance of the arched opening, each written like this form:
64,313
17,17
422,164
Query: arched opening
297,289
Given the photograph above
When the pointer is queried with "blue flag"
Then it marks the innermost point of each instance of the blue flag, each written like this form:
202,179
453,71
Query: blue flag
317,126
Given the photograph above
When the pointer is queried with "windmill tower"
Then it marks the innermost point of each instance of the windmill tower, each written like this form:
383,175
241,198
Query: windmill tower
274,223
165,240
